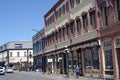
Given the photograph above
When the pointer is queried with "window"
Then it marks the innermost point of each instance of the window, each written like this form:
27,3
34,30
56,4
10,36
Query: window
18,46
85,22
72,28
63,9
60,12
50,39
18,54
107,43
118,41
104,14
87,59
77,2
67,6
25,54
60,35
72,3
92,19
56,15
118,9
56,36
53,18
95,60
78,26
91,57
67,29
53,39
108,59
63,33
10,54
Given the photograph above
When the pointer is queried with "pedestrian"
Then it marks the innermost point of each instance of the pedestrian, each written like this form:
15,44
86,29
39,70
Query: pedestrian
77,70
49,69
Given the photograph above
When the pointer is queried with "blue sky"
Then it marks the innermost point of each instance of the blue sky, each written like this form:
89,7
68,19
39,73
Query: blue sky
18,17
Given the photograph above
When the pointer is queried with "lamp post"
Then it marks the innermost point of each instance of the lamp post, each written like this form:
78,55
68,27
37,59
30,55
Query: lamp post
66,51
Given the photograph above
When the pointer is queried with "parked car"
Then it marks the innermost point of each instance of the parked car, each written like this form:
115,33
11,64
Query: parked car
2,70
9,70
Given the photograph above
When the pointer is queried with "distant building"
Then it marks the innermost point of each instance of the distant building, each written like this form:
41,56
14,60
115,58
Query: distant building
38,50
17,54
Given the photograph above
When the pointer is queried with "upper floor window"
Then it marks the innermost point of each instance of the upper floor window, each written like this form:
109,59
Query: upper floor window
63,33
72,28
78,26
18,46
25,54
18,54
72,3
85,22
56,37
77,2
11,54
104,14
60,35
63,9
67,6
67,29
117,6
56,15
92,19
60,12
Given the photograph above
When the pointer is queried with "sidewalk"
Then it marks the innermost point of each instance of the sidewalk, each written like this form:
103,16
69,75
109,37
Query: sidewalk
63,77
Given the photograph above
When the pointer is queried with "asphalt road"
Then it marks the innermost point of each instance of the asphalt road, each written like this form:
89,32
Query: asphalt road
24,76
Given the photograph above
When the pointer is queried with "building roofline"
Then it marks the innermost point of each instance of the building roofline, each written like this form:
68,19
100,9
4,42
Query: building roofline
53,8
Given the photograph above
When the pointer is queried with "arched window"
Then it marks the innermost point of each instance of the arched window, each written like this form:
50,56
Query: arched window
104,14
117,9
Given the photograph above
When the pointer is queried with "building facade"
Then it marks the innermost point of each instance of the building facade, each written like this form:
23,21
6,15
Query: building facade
84,33
72,24
38,50
109,23
17,54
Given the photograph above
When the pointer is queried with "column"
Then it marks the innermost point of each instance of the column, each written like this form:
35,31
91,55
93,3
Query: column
101,60
115,62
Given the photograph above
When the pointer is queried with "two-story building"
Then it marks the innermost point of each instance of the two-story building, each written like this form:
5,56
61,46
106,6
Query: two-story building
17,54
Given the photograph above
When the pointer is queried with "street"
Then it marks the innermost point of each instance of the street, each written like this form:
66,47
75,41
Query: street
23,76
39,76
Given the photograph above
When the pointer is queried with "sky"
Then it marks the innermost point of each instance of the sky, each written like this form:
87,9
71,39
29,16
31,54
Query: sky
18,17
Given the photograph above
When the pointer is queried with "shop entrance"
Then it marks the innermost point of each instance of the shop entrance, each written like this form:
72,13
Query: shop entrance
118,58
63,64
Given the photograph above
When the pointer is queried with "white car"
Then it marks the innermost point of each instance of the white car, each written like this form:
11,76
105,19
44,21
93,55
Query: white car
9,70
2,70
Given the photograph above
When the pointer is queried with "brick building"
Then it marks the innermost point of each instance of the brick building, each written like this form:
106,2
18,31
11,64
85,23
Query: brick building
90,32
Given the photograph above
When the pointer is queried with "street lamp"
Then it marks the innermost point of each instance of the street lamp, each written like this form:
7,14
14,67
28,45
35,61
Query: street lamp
66,51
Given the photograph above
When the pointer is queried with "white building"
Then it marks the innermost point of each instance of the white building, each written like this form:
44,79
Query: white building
17,54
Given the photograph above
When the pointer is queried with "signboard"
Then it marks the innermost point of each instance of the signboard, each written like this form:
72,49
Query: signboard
50,60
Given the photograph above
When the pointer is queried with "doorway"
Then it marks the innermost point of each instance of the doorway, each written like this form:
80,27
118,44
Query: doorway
79,58
62,63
